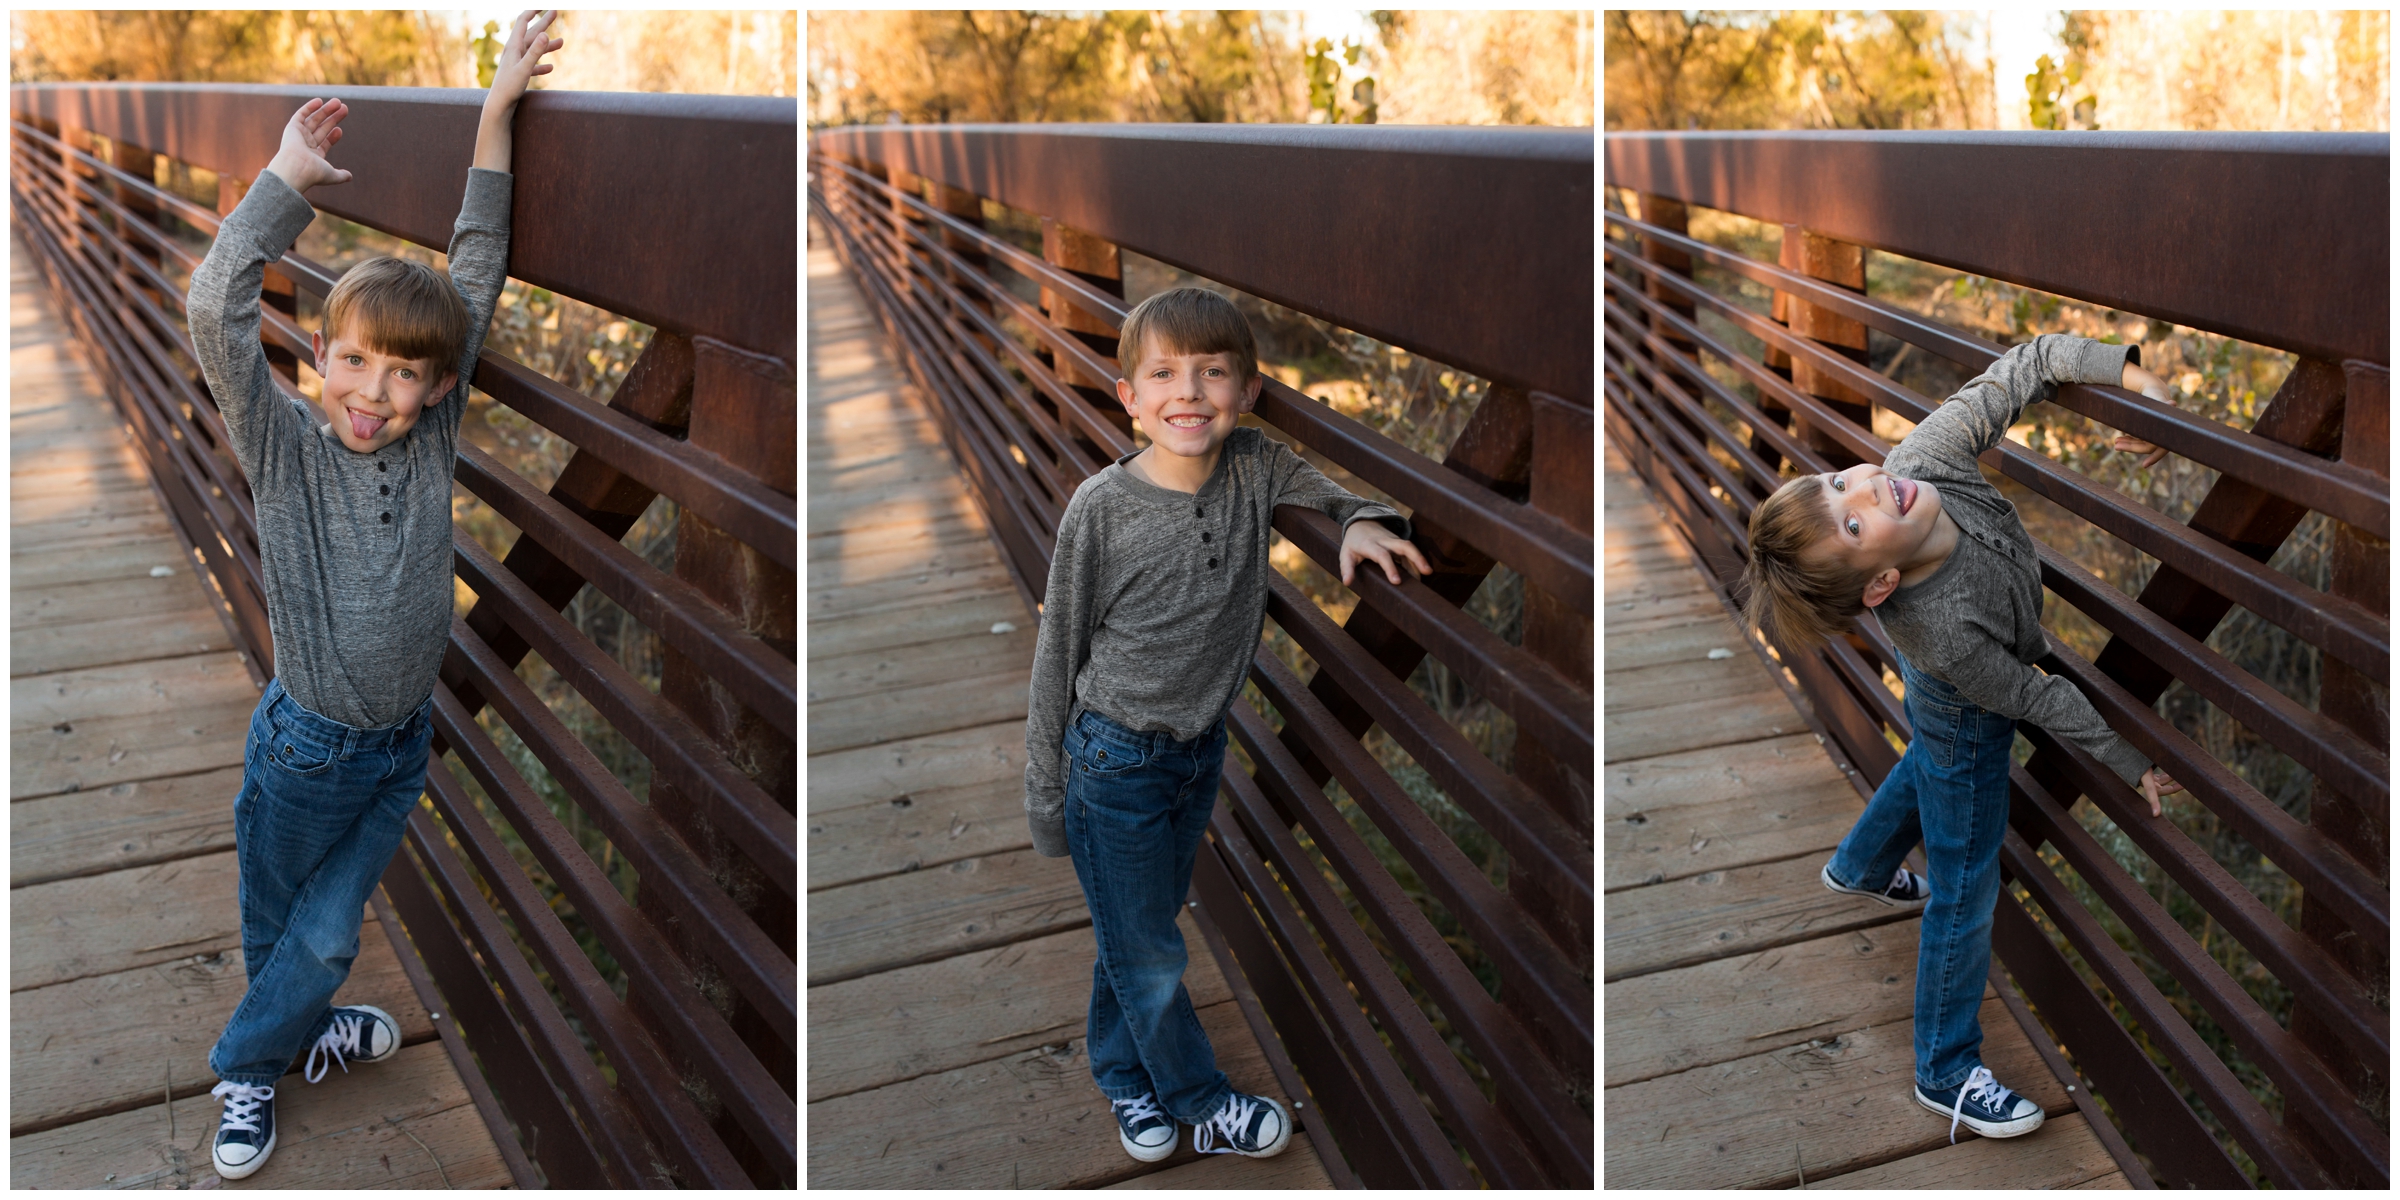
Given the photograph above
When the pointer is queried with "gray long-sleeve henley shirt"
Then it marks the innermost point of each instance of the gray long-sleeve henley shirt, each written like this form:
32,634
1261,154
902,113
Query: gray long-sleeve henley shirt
1155,602
1976,622
355,547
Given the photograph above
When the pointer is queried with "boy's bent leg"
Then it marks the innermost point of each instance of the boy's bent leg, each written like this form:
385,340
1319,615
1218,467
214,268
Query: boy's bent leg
1965,813
286,1005
1884,834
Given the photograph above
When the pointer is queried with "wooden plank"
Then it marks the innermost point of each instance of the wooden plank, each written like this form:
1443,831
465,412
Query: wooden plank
914,832
144,595
76,564
1666,612
836,676
965,555
1031,1120
1693,724
85,729
1836,1105
972,904
831,513
89,531
127,825
926,708
44,649
403,1123
1724,913
910,591
81,506
1297,1167
103,924
1684,642
915,532
1735,1007
2113,1181
969,614
898,1025
953,758
2063,1153
1708,810
1675,683
105,1044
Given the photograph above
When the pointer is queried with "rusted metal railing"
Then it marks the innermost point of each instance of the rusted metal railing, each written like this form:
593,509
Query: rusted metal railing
678,211
1471,247
2280,240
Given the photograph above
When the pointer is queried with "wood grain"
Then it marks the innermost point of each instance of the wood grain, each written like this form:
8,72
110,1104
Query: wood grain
1842,1103
969,905
2063,1153
124,825
908,833
952,758
897,1025
102,924
1685,814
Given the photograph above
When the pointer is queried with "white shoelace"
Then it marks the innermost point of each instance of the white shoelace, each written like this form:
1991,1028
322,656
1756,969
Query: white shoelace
1985,1089
1138,1108
344,1038
1231,1120
242,1102
1900,883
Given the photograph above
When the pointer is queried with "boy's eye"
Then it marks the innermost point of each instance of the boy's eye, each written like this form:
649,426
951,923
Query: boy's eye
1854,527
1840,484
354,360
405,373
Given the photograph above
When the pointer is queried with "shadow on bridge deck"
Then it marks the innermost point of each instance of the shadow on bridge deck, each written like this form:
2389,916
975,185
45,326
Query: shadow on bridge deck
948,964
127,713
1758,1026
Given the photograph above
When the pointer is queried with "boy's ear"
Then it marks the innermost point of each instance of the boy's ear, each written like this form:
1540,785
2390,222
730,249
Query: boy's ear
316,348
1125,395
1880,588
449,381
1258,383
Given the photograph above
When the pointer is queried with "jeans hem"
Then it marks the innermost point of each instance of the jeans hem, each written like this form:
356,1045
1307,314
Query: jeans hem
1215,1104
1130,1093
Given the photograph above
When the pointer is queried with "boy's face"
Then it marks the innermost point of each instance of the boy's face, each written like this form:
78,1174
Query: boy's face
371,398
1188,403
1880,521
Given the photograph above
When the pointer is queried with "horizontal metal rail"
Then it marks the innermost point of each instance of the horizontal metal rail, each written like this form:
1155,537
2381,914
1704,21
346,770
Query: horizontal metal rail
1011,381
94,220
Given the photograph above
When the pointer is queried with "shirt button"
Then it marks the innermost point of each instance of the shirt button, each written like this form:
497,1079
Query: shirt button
380,465
387,518
1212,562
1196,511
387,489
1204,537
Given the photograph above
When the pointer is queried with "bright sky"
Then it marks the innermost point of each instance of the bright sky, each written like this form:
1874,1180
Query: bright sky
2019,36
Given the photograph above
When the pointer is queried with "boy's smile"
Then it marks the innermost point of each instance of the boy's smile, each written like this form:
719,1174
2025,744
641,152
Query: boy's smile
372,399
1188,404
1882,522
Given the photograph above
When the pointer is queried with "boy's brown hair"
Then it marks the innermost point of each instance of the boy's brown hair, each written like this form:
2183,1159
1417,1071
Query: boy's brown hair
1808,599
1187,320
401,308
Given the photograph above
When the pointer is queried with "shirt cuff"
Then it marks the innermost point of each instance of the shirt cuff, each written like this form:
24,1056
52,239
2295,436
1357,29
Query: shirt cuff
2128,762
2102,362
1049,834
283,214
1392,520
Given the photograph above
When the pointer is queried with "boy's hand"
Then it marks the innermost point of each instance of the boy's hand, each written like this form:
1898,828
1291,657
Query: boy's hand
521,57
1369,539
2156,783
307,138
2137,378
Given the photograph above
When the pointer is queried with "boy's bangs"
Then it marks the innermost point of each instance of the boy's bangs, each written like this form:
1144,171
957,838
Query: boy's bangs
1189,320
399,308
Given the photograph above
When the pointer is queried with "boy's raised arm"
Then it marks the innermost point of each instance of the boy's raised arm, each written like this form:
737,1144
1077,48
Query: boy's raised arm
222,305
1979,414
479,243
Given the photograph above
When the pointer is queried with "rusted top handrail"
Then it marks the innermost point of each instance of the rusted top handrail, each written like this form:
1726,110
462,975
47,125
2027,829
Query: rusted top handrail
649,203
1294,213
2195,228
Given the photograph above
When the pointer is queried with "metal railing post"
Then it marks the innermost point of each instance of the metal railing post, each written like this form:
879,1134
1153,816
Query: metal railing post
1098,263
2361,571
1843,265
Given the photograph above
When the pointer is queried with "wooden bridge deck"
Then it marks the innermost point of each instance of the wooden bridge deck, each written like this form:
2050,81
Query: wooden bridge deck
1758,1030
948,964
127,713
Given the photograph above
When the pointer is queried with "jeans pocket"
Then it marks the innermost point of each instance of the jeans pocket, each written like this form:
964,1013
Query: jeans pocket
1937,725
295,753
1100,748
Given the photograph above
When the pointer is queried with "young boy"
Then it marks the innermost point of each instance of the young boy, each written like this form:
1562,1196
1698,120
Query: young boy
354,540
1157,593
1947,565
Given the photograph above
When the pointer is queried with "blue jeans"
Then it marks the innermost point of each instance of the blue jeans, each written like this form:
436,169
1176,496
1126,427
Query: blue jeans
320,813
1951,790
1136,807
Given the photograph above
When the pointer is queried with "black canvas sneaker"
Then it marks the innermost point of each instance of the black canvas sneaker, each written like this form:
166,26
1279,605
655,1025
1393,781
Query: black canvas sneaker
245,1130
1906,890
1984,1106
359,1033
1253,1126
1146,1132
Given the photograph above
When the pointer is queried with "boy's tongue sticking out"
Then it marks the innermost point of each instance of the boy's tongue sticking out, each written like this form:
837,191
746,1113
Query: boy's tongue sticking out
364,425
